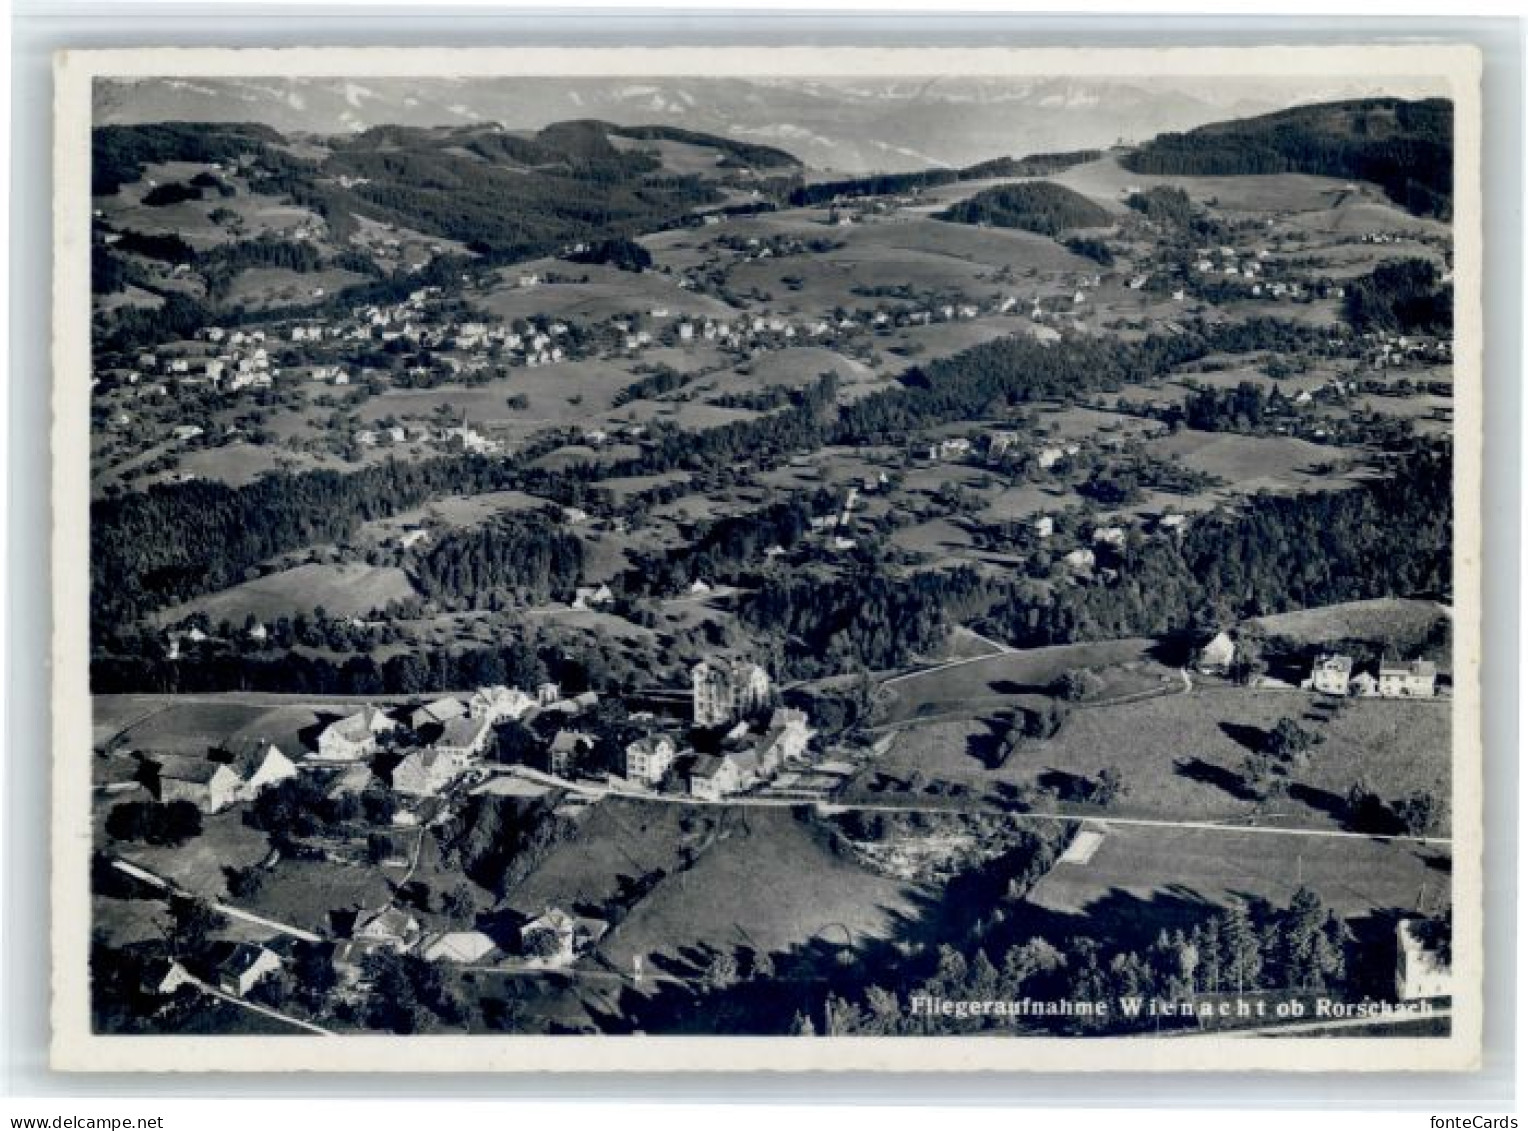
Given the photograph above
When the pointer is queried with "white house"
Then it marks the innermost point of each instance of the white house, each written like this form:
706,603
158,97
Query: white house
557,938
1217,656
245,965
1331,674
648,759
210,786
499,702
438,713
262,767
464,737
390,927
713,777
355,736
1416,680
426,773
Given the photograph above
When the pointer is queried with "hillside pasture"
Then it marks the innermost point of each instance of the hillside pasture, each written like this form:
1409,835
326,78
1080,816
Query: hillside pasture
346,589
794,891
1141,880
1255,463
609,293
1183,757
563,393
1126,668
1406,624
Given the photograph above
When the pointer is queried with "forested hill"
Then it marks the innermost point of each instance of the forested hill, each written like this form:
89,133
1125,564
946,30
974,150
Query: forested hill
570,182
1404,147
1041,206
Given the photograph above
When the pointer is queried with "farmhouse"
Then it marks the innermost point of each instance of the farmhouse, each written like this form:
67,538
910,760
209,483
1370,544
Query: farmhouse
262,765
391,928
713,777
498,702
161,977
464,737
438,713
425,773
355,736
1420,970
1416,680
245,965
592,597
648,759
210,786
1331,674
557,938
1216,657
727,690
786,737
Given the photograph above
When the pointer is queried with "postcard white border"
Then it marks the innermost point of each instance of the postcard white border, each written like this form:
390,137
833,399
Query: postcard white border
1457,67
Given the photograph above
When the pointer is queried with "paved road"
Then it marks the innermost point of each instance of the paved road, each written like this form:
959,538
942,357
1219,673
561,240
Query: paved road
264,1011
828,808
227,909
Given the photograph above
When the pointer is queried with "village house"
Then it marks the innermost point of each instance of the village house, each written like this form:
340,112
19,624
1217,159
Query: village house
390,927
547,694
355,736
1331,674
260,765
245,966
648,759
464,737
426,773
713,777
1421,971
556,939
726,690
1217,656
1416,680
498,703
161,977
591,597
438,713
785,737
210,786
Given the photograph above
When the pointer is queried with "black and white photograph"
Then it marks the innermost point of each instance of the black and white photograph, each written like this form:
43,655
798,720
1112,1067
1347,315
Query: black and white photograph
577,549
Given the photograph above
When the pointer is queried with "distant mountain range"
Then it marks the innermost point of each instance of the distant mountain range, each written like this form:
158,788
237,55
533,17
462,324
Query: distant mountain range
851,126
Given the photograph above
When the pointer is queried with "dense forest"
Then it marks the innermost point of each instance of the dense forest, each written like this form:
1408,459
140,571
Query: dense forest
118,154
516,558
1407,296
1404,147
1041,207
1383,538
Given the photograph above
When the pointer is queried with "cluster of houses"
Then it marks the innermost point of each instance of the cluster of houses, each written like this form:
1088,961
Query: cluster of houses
728,693
222,779
1333,674
1336,674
